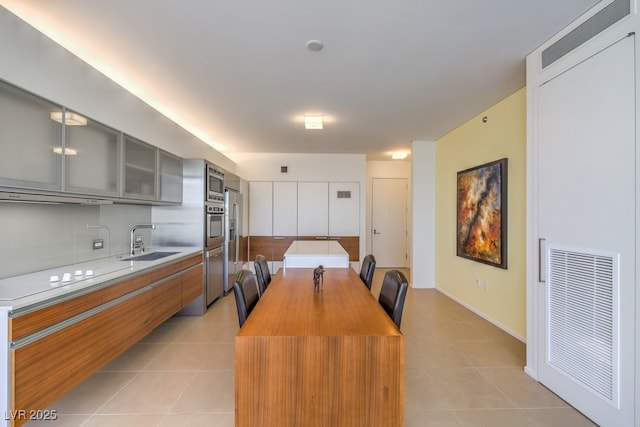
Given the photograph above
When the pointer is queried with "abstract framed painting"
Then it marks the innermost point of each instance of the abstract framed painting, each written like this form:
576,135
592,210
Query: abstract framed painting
482,213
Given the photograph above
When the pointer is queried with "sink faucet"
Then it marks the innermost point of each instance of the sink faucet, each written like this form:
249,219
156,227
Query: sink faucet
134,242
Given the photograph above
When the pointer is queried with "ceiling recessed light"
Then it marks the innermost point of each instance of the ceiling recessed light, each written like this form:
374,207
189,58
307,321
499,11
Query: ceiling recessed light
315,45
313,122
399,155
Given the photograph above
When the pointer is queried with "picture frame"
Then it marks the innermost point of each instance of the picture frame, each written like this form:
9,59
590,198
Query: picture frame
481,211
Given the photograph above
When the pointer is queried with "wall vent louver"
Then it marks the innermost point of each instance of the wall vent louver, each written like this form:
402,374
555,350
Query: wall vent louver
582,298
344,194
594,25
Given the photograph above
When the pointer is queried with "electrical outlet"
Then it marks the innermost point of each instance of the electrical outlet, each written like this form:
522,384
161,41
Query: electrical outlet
98,244
486,285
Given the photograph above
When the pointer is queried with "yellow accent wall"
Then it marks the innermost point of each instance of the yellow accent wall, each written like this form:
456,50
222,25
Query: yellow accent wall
472,144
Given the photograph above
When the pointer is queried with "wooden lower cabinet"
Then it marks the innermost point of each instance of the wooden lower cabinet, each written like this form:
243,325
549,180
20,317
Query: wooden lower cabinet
45,368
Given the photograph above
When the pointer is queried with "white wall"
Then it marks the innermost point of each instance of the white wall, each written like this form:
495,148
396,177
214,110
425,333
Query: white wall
35,63
423,154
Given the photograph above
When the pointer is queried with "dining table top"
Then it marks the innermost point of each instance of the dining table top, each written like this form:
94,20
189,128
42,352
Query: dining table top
290,306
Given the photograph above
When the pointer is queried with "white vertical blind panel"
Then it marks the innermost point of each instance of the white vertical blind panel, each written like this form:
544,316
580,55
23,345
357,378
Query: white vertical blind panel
582,324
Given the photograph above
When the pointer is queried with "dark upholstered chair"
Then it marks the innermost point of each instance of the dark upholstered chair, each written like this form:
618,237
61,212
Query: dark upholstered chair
246,293
368,267
393,293
262,271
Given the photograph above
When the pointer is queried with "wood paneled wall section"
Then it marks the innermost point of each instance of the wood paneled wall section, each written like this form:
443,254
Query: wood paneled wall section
274,247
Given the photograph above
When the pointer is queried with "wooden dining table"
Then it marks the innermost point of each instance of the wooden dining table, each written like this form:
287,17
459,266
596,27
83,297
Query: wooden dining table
328,358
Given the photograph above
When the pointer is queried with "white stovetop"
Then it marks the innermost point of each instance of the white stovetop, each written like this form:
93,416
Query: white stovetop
33,288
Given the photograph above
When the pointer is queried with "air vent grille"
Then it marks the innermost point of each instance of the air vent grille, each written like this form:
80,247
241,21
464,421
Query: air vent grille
592,26
582,309
344,194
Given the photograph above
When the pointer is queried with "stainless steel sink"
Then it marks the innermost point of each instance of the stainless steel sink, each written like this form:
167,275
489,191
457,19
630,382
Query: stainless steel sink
151,256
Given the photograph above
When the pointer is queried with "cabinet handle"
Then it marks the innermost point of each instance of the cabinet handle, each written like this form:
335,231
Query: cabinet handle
541,272
321,237
278,237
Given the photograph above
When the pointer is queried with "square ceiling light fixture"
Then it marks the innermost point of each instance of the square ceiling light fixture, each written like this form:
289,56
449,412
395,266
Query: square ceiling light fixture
70,119
313,122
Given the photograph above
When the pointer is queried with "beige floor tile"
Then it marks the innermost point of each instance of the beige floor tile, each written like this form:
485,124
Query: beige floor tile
90,395
165,333
62,420
208,392
451,388
179,357
430,419
149,393
567,417
523,390
198,420
151,420
422,355
487,354
219,357
136,358
208,332
491,418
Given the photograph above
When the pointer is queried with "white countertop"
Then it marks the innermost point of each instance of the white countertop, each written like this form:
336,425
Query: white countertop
311,253
36,288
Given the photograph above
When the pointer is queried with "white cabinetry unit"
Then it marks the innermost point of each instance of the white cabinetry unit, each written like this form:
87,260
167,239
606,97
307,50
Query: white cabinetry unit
140,168
29,139
285,208
344,209
261,208
93,166
313,209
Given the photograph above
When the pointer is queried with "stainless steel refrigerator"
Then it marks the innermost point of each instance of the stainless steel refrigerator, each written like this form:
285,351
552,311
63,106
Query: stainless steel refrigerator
233,236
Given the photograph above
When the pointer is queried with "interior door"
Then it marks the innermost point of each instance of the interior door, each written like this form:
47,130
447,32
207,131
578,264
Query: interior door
389,222
586,208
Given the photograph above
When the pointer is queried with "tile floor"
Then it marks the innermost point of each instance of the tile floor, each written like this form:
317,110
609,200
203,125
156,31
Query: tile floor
459,371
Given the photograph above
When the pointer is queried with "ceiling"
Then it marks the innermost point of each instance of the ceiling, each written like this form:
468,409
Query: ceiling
238,74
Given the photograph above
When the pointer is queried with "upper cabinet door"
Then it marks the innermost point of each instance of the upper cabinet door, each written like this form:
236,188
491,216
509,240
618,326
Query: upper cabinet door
170,177
285,208
344,209
31,141
140,169
313,209
92,165
261,208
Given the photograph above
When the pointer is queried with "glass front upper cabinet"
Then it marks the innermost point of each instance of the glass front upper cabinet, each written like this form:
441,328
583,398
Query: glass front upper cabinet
91,160
140,169
170,178
31,140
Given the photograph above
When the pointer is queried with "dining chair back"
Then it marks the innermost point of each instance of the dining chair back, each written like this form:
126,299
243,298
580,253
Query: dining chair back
367,270
393,293
246,293
262,271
